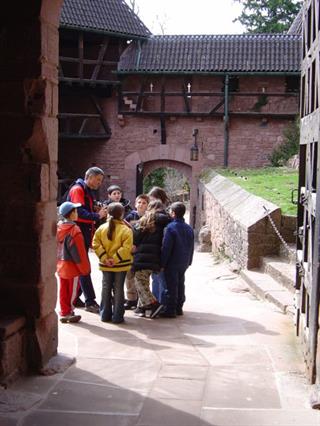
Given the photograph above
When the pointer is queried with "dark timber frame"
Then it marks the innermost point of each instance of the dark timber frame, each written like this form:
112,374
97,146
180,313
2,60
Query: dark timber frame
308,250
87,65
131,103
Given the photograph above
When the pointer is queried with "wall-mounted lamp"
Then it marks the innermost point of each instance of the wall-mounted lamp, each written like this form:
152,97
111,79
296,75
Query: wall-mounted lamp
194,150
151,87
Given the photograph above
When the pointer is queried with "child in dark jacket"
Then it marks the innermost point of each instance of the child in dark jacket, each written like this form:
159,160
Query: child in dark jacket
176,257
72,260
115,195
147,257
132,218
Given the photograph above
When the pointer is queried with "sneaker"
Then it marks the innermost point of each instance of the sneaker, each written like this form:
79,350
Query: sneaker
78,303
70,318
179,311
140,312
155,309
120,321
94,308
167,315
129,304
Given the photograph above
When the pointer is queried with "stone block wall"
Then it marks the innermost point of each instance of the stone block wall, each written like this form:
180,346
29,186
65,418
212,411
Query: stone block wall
240,228
288,228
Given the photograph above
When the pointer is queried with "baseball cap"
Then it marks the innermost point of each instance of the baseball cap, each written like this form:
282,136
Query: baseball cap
66,207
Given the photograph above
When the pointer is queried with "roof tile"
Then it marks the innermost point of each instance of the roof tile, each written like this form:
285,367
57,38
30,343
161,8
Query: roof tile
110,16
214,53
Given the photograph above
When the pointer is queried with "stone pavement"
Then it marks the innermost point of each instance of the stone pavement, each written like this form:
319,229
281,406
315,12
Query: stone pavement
231,360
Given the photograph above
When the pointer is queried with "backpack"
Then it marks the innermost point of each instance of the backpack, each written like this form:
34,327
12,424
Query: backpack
65,196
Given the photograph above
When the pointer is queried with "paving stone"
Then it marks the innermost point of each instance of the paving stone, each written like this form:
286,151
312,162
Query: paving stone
241,386
187,390
187,372
260,418
135,375
51,418
235,354
69,396
7,421
170,413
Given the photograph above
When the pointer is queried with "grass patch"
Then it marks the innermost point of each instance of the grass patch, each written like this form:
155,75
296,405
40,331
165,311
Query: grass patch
271,183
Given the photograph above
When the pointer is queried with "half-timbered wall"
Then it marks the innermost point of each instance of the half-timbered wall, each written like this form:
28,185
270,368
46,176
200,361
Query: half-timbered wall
255,126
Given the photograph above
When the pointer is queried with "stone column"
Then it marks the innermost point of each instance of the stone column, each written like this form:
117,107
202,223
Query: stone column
28,184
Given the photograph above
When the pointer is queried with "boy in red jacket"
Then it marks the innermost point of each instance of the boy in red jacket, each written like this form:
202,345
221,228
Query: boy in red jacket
72,260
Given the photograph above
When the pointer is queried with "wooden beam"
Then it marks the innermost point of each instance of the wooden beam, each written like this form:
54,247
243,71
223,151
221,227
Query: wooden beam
80,52
140,96
86,81
103,120
162,115
271,94
186,100
77,114
86,61
214,109
288,115
101,55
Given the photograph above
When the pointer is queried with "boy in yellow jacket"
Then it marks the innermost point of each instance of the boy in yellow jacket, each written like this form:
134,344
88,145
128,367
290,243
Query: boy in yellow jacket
112,243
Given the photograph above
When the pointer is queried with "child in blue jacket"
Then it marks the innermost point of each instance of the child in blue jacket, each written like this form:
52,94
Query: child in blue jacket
176,257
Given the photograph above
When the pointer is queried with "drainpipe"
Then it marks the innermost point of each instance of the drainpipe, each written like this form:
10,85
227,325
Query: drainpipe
138,54
226,121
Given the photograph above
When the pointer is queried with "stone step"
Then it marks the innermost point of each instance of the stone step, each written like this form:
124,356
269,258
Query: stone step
268,289
281,271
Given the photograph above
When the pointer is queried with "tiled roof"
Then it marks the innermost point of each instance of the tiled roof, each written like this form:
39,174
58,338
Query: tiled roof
109,16
214,53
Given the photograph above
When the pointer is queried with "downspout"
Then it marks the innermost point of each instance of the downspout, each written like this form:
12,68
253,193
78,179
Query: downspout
226,121
138,54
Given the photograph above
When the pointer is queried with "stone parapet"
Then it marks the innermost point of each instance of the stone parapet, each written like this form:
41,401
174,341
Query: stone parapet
240,228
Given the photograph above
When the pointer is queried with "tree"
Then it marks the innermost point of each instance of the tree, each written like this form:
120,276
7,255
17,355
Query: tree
155,178
134,6
268,16
290,145
174,181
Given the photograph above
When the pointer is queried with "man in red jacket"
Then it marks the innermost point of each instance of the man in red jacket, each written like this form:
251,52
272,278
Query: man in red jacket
72,260
84,192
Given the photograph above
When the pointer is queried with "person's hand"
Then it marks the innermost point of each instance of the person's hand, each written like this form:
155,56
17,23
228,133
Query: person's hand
134,248
103,212
109,262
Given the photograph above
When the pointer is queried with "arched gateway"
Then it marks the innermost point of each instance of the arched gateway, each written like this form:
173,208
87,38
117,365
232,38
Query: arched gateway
141,163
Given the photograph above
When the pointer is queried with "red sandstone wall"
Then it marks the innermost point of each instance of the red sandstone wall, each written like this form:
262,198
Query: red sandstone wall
251,141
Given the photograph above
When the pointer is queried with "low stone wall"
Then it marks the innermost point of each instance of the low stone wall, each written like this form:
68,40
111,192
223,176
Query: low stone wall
288,228
239,224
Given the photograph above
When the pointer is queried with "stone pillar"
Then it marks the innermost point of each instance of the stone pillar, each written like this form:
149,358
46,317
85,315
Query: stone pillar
28,182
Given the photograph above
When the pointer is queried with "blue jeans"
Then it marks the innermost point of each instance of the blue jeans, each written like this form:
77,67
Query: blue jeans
159,286
86,286
112,287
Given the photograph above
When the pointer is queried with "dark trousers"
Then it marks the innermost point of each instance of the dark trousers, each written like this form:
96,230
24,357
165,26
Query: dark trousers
86,286
175,289
112,286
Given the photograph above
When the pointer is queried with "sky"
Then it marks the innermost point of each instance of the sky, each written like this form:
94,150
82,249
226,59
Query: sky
197,17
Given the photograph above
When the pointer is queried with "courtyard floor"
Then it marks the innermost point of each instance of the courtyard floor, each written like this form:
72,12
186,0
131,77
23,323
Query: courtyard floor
230,360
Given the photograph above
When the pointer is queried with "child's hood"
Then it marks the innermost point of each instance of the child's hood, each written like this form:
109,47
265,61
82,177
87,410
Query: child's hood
66,228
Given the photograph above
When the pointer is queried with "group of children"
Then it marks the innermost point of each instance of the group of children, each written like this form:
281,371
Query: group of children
132,245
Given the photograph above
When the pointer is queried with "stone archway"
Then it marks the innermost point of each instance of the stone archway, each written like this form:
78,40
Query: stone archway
29,129
164,156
